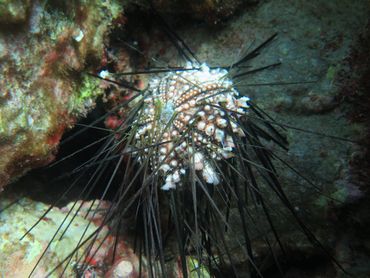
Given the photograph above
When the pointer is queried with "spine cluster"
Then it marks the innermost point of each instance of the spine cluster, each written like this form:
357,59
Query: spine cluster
189,115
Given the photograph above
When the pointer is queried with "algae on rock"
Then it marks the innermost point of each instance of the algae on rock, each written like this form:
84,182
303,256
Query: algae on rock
44,49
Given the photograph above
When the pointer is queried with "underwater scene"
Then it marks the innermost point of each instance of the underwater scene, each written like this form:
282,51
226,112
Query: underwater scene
173,138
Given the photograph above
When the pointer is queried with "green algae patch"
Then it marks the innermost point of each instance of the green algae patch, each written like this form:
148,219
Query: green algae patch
84,96
196,270
331,72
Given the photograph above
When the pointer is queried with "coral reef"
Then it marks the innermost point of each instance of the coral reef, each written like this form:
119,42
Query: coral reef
19,256
44,47
41,95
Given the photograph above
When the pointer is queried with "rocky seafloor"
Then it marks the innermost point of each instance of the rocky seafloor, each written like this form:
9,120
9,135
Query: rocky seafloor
322,85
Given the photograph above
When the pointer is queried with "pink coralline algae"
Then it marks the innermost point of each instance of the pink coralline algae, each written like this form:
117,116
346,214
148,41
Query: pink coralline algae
42,88
19,257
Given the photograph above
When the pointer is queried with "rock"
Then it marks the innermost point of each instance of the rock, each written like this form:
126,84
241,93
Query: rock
212,11
19,256
43,90
14,12
123,269
316,103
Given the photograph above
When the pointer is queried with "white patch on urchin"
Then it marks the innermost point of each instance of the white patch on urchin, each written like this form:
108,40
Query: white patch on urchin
183,116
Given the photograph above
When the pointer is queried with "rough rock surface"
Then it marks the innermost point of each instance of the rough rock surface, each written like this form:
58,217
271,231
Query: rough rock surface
42,47
77,221
14,11
19,257
210,11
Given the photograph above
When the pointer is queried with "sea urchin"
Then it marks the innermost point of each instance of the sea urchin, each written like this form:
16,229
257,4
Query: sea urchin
185,114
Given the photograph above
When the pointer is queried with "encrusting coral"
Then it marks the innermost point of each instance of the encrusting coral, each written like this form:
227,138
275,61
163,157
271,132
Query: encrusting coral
22,253
74,225
41,92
